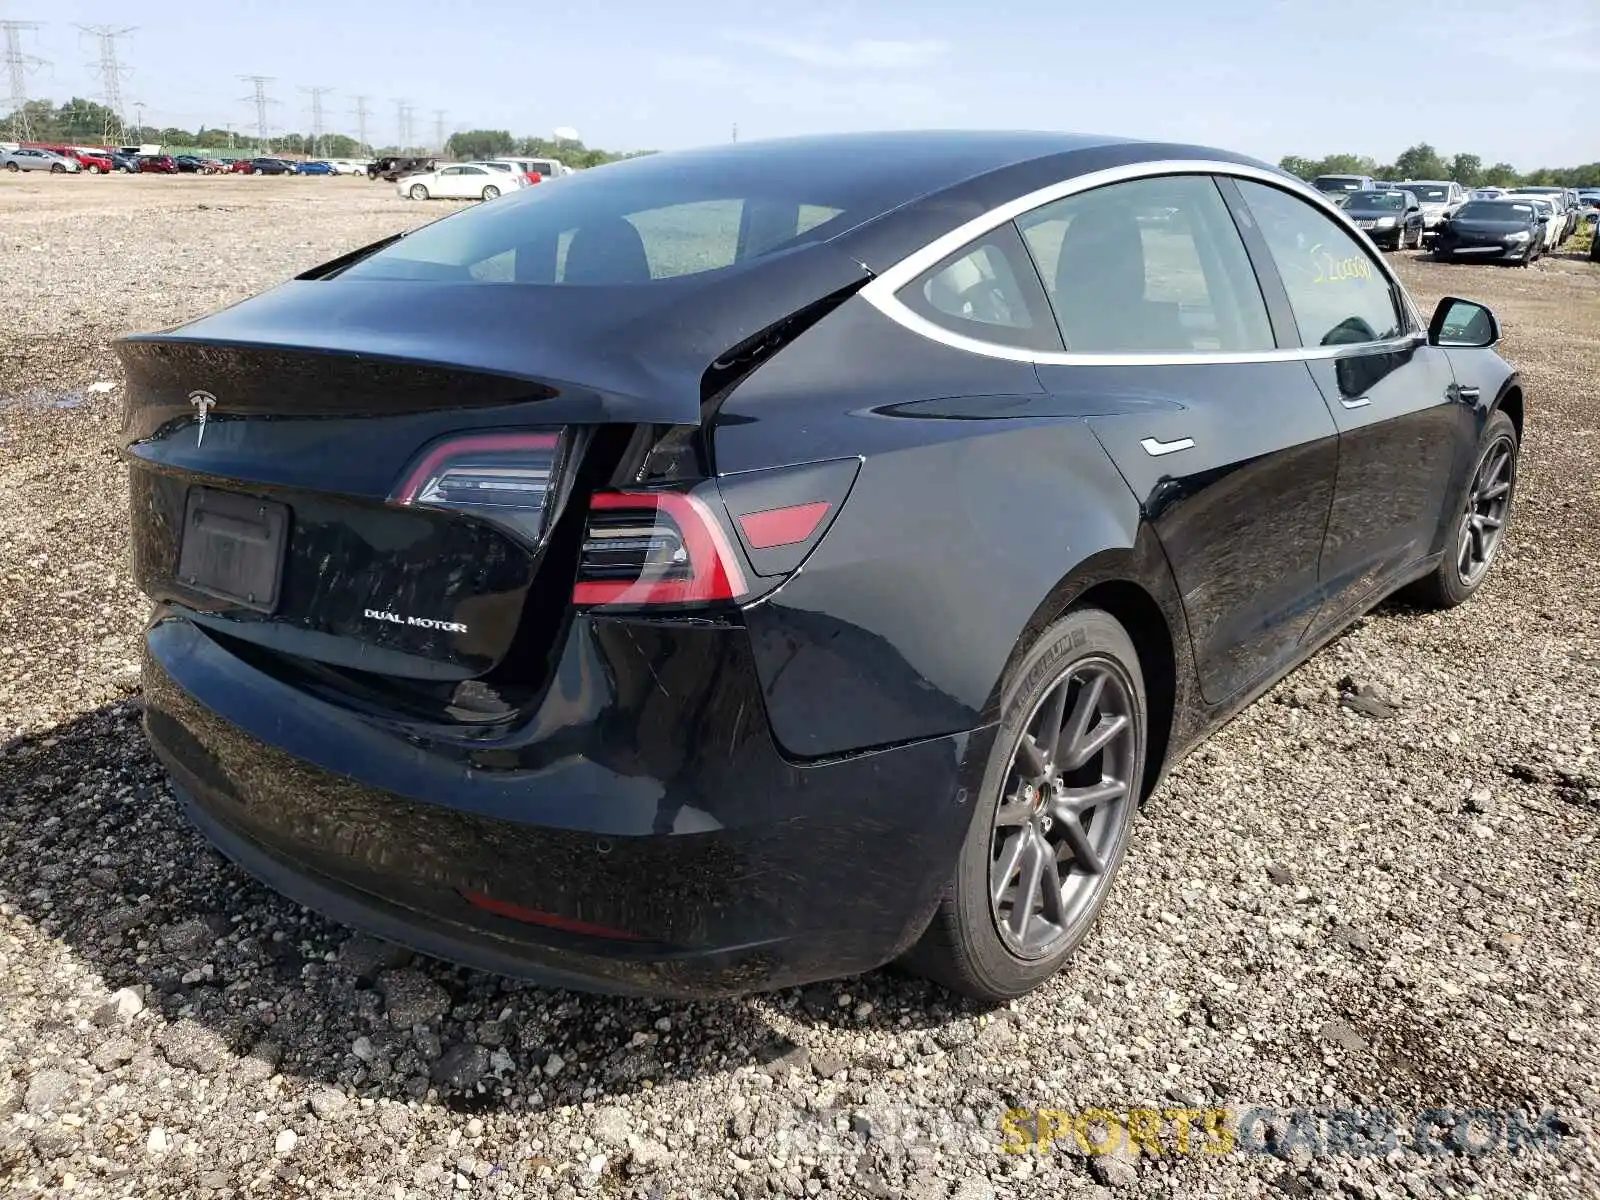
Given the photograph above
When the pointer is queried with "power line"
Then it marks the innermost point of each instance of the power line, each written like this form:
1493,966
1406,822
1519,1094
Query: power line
361,114
402,115
17,66
111,72
260,99
316,94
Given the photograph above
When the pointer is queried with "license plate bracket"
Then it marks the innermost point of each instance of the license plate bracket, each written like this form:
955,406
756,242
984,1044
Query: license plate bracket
233,547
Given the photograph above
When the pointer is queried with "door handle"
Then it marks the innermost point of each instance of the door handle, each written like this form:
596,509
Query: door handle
1469,394
1358,402
1156,447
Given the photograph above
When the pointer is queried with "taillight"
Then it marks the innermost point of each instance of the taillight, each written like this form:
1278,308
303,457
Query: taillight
674,547
503,477
655,548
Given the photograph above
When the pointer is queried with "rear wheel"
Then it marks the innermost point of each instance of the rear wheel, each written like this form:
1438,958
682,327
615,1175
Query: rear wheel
57,169
94,169
490,192
418,192
1480,524
13,168
1053,816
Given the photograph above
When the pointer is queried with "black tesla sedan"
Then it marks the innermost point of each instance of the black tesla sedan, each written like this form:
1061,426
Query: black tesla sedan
753,565
1390,218
1502,230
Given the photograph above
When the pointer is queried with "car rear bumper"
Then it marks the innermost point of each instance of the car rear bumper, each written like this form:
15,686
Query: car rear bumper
640,833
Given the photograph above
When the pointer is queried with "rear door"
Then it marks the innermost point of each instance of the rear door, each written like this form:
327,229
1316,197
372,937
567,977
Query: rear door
1403,428
1171,356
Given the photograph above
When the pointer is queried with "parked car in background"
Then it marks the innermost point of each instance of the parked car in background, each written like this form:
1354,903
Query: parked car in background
1566,199
1487,193
511,668
395,167
315,167
1389,218
263,166
1550,214
124,162
536,168
193,164
461,181
1338,184
347,166
1438,197
158,164
1507,230
29,158
95,162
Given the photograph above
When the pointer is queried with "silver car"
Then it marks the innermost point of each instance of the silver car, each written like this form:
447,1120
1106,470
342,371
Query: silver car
27,159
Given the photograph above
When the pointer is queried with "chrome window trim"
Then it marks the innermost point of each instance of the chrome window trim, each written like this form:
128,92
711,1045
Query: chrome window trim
880,291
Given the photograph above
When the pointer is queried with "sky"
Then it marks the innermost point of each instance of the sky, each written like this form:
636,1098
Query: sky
1504,79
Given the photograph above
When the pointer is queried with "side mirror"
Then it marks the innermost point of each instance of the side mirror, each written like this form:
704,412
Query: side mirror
1462,323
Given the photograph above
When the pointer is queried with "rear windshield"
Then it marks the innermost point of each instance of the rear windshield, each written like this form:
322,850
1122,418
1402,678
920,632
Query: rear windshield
1378,201
1427,194
1495,210
1338,183
620,226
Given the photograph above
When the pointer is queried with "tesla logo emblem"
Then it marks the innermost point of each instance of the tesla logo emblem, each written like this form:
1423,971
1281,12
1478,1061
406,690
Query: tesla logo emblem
203,403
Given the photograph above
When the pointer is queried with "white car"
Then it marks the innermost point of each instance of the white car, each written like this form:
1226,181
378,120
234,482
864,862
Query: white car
1438,197
347,166
1550,212
461,181
548,168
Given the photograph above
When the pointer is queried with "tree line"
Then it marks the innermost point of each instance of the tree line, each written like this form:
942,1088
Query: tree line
84,122
1422,161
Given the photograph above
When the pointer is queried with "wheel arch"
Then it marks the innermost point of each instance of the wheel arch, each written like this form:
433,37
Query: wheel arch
1510,402
1135,587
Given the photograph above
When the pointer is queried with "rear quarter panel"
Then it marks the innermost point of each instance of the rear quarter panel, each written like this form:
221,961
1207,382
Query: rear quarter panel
978,508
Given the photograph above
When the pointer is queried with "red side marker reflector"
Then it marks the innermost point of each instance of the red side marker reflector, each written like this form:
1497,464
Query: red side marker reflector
532,916
782,526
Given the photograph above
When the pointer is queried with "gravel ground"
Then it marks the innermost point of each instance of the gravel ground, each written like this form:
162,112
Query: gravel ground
1322,910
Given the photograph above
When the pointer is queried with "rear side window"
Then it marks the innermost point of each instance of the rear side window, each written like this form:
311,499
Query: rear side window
1148,266
987,290
1338,293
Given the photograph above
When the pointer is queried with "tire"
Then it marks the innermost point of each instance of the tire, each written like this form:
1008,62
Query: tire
417,192
491,192
1451,583
13,168
57,169
972,945
94,169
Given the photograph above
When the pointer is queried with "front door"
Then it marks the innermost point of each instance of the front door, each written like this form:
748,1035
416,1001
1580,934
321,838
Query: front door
1228,445
1403,428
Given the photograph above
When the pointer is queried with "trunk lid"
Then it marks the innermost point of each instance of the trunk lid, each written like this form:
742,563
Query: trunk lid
268,444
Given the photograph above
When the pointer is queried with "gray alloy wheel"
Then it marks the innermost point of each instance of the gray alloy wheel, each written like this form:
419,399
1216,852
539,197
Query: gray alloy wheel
57,169
418,192
490,192
1053,817
12,167
1479,528
94,169
1488,506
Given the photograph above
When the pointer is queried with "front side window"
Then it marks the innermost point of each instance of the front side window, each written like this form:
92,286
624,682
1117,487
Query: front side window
1148,266
1339,295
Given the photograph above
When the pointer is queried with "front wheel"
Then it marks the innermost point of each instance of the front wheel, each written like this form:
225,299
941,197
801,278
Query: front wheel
418,192
1053,817
13,168
93,169
491,192
57,169
1480,524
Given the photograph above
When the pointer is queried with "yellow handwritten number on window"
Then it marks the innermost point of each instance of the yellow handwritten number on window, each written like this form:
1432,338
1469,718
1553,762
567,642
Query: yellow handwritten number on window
1337,270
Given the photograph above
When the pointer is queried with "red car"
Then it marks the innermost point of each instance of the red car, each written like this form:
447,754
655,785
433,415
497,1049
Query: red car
161,164
242,166
92,161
